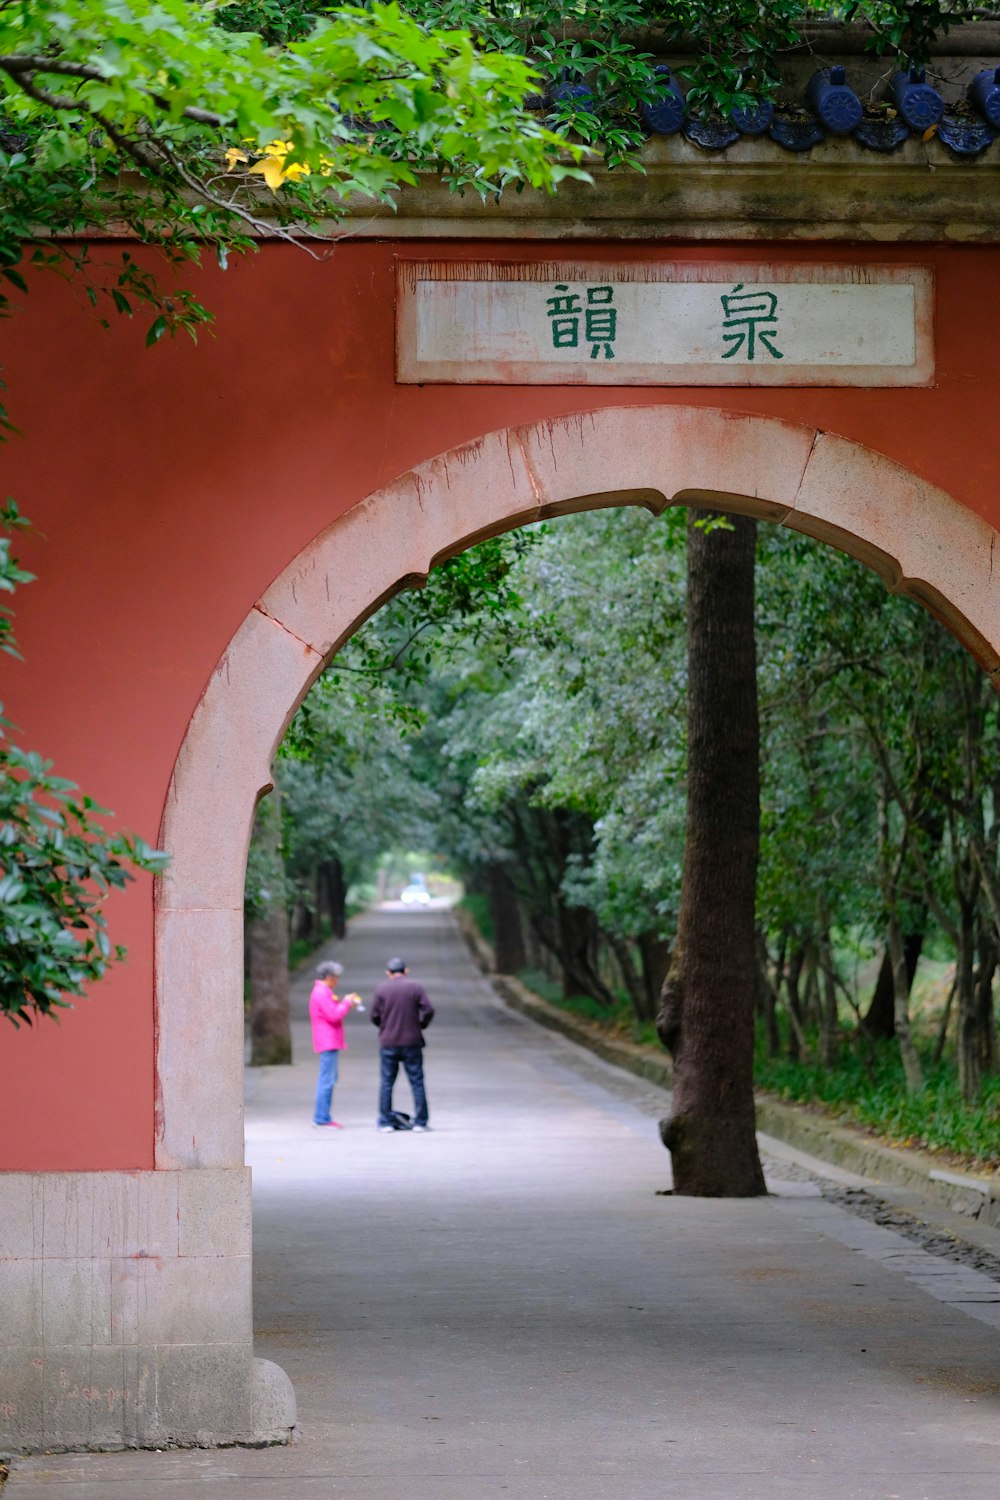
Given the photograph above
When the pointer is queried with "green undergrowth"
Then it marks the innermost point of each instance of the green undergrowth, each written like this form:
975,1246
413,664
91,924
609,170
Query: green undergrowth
620,1019
862,1089
869,1093
872,1092
478,907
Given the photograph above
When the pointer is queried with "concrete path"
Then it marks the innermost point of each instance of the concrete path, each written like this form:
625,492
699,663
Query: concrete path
505,1307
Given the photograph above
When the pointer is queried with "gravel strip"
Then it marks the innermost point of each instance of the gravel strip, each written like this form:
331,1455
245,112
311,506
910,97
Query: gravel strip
935,1241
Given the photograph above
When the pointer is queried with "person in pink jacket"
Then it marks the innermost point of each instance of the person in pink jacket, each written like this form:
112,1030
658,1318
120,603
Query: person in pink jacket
327,1012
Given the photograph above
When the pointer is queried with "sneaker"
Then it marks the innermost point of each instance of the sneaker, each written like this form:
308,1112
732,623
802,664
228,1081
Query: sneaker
421,1129
387,1130
327,1125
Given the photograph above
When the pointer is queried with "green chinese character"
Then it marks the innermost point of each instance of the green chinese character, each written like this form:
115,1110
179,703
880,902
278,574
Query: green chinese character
601,321
747,313
564,318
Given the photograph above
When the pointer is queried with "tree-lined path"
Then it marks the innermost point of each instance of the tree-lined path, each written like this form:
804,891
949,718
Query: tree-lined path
505,1307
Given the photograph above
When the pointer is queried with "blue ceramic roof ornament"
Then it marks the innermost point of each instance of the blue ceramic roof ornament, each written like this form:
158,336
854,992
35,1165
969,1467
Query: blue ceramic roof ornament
664,111
984,93
920,105
837,106
755,120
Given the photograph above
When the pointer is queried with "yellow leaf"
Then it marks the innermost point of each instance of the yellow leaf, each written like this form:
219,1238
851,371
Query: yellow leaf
233,155
271,170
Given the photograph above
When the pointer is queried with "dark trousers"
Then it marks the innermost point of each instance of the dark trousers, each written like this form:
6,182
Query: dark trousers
412,1059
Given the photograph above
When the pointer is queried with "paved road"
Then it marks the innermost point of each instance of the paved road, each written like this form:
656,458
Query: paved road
505,1307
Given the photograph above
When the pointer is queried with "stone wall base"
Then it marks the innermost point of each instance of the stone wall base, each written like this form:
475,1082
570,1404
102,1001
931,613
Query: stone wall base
127,1314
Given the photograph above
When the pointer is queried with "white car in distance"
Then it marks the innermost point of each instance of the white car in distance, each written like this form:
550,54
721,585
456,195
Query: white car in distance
415,895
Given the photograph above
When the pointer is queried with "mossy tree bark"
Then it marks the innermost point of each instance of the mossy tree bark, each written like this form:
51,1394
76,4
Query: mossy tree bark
707,1007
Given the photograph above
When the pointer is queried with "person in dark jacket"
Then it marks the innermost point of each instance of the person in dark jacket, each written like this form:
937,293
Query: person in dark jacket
401,1011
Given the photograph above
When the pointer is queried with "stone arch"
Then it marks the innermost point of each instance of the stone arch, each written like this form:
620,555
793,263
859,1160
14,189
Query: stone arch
921,540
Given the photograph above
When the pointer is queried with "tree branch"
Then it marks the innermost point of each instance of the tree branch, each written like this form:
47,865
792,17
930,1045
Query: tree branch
21,70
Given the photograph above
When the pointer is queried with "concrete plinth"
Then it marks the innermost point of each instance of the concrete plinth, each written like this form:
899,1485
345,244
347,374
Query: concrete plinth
127,1313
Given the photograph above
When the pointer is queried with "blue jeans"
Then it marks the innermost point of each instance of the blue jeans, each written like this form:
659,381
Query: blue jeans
324,1087
412,1059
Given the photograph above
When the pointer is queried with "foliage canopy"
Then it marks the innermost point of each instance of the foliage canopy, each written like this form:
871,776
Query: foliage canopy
156,119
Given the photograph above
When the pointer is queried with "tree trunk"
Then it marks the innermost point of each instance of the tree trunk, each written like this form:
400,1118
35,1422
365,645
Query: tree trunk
270,1029
829,1031
654,953
576,948
335,895
879,1021
538,955
508,938
969,1041
631,977
768,998
796,1032
989,958
303,922
812,1007
271,1040
706,1014
901,987
942,1035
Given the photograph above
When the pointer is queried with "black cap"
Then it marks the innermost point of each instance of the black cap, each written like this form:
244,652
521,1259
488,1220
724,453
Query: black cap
396,966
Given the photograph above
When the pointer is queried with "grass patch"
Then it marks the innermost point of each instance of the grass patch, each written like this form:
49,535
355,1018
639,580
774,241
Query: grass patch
874,1095
621,1019
868,1094
478,907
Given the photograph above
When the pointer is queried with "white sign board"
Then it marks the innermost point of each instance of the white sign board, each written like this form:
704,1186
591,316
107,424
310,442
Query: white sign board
666,324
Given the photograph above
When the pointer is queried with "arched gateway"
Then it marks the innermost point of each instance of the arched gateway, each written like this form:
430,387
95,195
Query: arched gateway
917,537
177,1364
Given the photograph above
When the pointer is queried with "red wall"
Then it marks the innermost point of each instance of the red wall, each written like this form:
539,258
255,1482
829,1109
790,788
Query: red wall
170,486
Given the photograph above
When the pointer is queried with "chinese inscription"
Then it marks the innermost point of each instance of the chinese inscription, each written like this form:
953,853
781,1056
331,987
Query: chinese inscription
600,319
753,318
724,324
750,321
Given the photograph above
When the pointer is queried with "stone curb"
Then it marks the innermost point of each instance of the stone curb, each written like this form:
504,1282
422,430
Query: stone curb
807,1129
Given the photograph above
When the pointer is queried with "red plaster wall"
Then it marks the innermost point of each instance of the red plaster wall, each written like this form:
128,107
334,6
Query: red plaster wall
170,486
